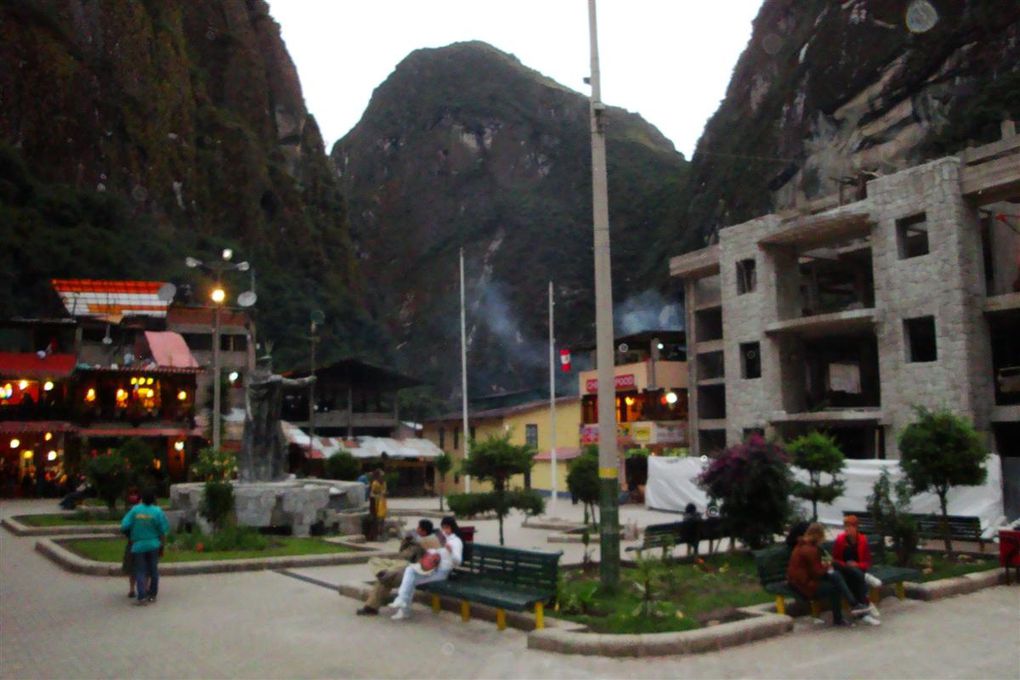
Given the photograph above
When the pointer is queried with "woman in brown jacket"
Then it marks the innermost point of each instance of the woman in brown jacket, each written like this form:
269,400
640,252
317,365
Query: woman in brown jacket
812,576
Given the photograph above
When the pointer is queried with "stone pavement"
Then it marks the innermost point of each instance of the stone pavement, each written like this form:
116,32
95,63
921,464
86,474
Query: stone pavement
266,625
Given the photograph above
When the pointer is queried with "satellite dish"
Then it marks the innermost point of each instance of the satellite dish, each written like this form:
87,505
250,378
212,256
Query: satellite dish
921,16
167,292
247,298
318,316
624,347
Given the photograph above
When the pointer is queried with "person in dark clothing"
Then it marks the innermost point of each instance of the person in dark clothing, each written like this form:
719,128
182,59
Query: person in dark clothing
796,531
812,576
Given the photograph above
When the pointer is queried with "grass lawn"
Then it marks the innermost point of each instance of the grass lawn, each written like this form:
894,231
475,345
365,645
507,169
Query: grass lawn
64,520
935,565
684,595
112,550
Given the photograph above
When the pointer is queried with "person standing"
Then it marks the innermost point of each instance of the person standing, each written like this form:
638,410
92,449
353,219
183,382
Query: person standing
377,496
146,525
127,564
426,571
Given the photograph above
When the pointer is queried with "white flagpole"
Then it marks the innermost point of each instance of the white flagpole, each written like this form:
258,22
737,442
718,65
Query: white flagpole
552,403
463,370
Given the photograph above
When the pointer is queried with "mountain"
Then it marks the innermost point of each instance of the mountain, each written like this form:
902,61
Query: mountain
464,146
838,91
135,133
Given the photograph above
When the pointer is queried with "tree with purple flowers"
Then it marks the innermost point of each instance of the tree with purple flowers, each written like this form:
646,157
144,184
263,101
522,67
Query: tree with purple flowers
752,482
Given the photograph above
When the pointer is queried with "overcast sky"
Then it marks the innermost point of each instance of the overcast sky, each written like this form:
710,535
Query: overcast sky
669,60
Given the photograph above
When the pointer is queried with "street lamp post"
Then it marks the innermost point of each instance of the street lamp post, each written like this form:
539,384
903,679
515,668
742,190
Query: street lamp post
218,296
609,501
317,318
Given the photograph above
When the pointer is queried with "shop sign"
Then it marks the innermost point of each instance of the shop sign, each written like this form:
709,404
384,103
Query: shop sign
623,382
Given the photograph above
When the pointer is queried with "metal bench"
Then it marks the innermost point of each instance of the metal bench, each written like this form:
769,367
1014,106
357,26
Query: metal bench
501,577
929,526
687,532
771,564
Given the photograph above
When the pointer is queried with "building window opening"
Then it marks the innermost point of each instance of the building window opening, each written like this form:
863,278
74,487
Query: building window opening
920,336
531,435
750,360
747,279
912,236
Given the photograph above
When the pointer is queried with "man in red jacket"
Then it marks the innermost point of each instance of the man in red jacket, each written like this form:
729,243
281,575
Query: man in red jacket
851,556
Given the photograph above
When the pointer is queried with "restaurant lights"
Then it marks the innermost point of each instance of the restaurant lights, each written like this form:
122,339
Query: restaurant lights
23,385
671,398
15,443
182,396
51,456
178,446
48,436
90,395
47,386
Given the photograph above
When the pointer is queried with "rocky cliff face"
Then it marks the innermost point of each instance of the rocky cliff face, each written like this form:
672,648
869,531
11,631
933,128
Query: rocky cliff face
465,147
828,92
134,133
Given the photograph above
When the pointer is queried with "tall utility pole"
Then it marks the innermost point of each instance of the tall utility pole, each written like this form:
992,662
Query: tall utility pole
552,403
317,317
609,501
217,293
463,370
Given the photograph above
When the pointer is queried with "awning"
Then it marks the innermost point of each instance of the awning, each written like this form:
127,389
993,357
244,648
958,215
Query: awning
169,350
31,365
562,453
23,426
111,300
113,431
362,447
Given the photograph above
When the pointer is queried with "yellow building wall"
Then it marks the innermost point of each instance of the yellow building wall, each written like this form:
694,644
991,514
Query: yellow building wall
568,423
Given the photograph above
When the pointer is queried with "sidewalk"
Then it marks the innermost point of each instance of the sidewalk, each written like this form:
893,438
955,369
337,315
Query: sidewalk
267,625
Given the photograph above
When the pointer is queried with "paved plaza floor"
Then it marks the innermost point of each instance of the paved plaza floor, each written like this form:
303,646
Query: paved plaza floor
54,624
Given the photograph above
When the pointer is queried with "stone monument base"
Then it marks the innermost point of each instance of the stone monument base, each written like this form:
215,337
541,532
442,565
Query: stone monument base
297,504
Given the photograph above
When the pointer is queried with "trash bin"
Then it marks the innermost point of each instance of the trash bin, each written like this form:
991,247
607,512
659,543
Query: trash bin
467,534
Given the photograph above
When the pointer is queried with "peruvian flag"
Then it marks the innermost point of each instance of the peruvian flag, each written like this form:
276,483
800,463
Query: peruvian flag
565,360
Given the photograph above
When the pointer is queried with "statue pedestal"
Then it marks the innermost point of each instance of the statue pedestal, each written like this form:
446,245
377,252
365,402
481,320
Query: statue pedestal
297,504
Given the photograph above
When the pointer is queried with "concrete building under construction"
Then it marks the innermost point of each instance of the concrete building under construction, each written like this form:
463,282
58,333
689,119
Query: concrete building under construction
846,315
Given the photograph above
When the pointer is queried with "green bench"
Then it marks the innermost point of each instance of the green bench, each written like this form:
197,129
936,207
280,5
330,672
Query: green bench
961,528
500,577
687,532
771,564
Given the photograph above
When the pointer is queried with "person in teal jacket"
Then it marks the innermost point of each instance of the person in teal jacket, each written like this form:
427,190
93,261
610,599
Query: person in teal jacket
145,525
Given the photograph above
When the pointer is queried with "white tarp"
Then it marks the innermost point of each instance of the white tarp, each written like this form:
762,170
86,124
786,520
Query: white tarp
672,485
364,447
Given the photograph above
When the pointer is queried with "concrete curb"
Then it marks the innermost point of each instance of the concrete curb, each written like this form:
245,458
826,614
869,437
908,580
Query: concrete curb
69,561
21,529
760,626
958,585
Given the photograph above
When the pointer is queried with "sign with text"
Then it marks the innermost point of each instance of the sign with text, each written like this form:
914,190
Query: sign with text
623,382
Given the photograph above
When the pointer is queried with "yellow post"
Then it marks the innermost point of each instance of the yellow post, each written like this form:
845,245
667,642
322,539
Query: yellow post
435,603
875,595
501,619
465,610
539,616
901,592
816,609
780,604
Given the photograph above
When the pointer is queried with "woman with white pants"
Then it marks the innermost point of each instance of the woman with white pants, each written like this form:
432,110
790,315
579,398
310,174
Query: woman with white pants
450,556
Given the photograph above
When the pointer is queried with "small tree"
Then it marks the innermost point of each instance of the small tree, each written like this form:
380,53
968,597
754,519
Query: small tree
214,465
217,503
892,515
753,482
583,480
108,474
138,457
343,465
496,460
939,451
818,454
444,463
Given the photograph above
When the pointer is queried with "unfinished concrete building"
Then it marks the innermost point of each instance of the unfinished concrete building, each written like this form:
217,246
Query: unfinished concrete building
845,317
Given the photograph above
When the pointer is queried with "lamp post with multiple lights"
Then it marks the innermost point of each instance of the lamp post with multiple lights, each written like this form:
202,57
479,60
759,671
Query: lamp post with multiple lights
218,297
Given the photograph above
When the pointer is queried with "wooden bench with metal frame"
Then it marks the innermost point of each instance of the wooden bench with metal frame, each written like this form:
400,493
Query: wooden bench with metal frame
501,577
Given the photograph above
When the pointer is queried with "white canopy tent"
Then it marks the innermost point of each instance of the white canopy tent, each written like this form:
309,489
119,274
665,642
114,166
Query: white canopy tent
672,484
363,447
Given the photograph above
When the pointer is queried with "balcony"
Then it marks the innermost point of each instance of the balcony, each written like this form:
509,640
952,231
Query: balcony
852,321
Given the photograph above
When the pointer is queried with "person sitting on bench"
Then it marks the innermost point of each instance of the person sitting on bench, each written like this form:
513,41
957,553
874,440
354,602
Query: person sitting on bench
812,576
435,565
389,573
851,556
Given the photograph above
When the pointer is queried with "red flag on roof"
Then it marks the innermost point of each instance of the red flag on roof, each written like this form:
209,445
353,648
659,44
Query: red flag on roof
565,360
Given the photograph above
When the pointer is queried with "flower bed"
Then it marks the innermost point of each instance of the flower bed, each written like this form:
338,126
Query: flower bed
112,549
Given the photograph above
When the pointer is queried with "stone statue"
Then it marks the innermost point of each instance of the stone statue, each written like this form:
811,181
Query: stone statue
263,450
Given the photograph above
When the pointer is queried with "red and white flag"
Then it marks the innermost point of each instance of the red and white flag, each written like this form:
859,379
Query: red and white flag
565,360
